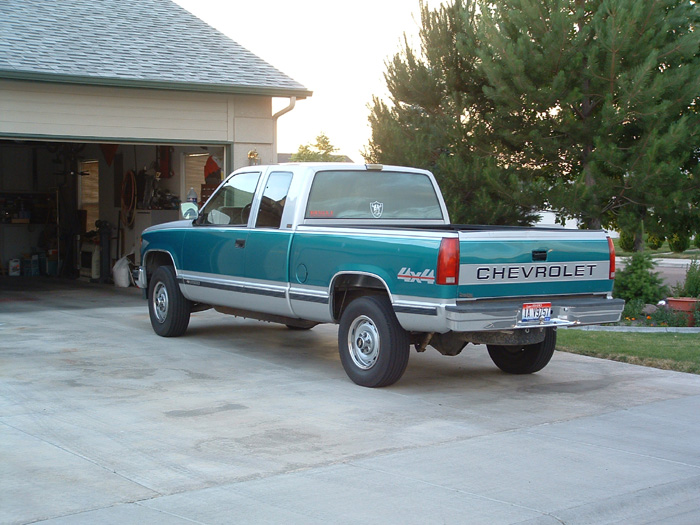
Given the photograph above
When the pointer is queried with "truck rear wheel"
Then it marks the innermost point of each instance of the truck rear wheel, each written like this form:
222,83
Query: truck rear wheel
373,346
167,307
526,359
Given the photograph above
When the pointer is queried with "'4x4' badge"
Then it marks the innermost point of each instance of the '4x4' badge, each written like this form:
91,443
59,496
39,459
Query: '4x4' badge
426,276
377,209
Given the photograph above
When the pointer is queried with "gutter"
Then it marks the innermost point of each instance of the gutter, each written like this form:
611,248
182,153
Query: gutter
275,117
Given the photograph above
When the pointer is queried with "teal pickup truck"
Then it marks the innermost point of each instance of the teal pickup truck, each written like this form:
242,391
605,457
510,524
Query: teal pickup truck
371,248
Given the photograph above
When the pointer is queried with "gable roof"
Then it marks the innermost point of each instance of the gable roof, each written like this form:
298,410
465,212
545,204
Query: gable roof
129,43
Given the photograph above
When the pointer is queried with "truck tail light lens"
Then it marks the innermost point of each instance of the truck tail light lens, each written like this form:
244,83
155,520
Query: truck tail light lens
611,249
448,261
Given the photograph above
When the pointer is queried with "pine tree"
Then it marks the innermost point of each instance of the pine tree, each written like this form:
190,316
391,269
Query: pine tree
587,106
640,75
434,120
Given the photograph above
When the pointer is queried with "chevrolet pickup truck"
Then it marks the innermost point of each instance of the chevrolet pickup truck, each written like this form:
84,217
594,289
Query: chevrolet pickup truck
371,248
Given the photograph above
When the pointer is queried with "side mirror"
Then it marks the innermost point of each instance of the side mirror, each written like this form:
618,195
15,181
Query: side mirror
189,210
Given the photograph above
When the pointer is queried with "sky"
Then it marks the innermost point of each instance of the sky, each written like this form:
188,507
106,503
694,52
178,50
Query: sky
338,50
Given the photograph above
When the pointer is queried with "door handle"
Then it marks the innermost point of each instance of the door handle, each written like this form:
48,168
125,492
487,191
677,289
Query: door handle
240,243
539,255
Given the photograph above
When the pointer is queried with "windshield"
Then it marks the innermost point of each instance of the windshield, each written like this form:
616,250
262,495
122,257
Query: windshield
372,195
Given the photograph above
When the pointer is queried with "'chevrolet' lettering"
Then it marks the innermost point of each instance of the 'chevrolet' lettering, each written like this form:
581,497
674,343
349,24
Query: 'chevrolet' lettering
523,273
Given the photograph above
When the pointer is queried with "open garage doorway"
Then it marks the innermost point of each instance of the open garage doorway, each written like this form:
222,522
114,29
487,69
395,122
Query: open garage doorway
73,209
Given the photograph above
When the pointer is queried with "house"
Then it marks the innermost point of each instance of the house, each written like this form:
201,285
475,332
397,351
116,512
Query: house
110,110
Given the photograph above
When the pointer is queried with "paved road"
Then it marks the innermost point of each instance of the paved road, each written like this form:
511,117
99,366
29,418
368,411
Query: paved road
672,271
671,275
101,421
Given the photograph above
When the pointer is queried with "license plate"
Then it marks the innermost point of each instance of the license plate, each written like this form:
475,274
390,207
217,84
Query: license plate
537,312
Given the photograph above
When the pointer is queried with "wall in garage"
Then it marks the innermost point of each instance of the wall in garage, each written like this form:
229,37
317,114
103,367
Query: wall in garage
26,169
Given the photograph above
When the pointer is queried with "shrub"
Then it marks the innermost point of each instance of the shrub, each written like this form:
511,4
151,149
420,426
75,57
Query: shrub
690,287
627,241
665,316
639,281
692,279
633,310
696,242
679,242
654,242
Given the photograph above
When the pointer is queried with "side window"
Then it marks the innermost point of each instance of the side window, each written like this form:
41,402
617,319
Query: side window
273,200
231,203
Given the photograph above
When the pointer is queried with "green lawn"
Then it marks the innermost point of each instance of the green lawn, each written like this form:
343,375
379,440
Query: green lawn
664,251
668,351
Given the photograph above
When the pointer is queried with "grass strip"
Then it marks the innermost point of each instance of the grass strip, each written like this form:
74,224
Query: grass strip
663,252
668,351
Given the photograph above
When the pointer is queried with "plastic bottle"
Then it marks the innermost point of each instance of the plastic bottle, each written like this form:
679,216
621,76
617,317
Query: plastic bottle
192,196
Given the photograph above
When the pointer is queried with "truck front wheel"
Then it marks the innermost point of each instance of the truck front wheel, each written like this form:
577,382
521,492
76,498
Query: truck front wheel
373,346
167,307
526,359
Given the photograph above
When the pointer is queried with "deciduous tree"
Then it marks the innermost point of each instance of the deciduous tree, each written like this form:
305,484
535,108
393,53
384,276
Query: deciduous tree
320,151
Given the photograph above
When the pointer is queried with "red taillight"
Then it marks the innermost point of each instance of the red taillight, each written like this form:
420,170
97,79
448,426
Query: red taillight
611,248
448,261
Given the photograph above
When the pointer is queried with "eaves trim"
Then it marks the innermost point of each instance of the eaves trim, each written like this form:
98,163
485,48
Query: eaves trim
111,140
197,87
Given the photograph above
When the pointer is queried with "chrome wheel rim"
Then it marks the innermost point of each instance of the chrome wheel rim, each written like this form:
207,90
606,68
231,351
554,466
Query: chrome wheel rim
160,302
363,342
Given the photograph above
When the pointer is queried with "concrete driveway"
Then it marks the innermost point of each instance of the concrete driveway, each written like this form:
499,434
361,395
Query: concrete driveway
102,421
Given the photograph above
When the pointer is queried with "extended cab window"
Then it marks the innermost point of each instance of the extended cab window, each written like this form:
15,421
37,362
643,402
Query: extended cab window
273,199
231,202
372,195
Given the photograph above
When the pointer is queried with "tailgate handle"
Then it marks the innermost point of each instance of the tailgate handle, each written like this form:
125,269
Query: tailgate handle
240,243
539,255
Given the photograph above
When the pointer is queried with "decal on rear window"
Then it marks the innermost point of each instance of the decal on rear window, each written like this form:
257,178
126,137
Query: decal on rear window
377,209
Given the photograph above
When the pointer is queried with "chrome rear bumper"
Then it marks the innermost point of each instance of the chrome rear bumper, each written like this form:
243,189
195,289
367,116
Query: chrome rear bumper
507,314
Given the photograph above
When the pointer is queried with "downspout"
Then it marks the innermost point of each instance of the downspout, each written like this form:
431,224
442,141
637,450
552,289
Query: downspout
290,107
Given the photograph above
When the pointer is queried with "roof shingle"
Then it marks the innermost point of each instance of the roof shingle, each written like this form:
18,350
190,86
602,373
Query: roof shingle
141,43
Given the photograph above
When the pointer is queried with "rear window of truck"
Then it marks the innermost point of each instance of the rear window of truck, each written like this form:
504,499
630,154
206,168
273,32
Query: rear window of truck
372,195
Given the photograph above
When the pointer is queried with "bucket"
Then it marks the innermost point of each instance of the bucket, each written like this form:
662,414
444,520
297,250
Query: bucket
687,305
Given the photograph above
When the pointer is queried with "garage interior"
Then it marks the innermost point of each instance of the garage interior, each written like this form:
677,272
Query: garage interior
72,209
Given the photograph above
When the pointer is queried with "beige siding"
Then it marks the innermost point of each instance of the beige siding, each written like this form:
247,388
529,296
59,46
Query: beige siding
253,130
265,154
253,106
61,110
121,115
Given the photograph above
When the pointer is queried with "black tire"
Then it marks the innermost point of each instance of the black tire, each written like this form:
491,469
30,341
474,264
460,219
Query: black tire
373,346
526,359
167,307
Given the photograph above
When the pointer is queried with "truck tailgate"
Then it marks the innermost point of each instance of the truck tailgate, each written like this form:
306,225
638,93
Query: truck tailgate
533,263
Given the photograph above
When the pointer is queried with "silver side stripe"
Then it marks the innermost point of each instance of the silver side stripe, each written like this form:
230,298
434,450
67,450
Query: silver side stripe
232,285
309,295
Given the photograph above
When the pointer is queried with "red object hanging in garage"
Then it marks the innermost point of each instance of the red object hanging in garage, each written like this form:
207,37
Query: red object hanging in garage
109,151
